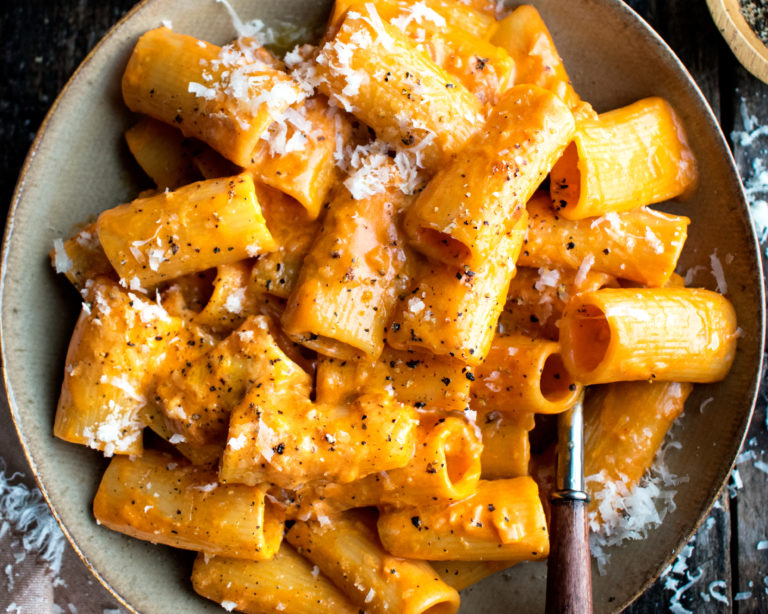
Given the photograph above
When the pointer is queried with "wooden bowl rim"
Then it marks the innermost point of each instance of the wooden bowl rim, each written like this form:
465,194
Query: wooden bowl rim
751,52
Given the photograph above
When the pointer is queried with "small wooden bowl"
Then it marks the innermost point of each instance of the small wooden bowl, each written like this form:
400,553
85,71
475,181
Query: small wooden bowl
745,44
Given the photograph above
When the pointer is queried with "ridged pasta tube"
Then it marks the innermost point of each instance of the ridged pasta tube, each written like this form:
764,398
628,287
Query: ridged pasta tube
119,342
521,374
506,447
454,37
349,280
350,554
277,272
81,258
627,158
525,36
198,397
454,311
196,227
459,15
624,425
278,435
502,521
467,208
159,498
445,467
285,582
163,153
297,155
226,97
379,76
662,334
641,245
417,377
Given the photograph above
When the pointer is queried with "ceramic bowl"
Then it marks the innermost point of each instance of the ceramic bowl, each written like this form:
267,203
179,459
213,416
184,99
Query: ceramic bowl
79,166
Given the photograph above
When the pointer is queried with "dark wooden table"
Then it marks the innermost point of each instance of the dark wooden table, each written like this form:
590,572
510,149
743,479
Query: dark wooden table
43,41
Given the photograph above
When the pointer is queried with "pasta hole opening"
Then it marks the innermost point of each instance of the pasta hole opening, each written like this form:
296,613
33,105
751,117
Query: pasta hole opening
565,185
590,337
443,607
555,381
328,346
442,246
458,460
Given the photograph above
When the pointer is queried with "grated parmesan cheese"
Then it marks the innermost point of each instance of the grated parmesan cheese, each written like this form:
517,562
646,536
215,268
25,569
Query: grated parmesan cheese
653,241
718,584
417,13
201,91
691,273
148,312
241,73
25,512
547,279
227,604
235,301
717,272
735,483
282,33
126,386
266,441
61,260
9,574
118,431
246,336
415,305
705,403
134,284
756,177
584,269
624,514
207,487
155,257
369,169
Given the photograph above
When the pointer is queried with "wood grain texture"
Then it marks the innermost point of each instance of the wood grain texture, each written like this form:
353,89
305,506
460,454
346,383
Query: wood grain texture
42,42
569,583
750,564
744,43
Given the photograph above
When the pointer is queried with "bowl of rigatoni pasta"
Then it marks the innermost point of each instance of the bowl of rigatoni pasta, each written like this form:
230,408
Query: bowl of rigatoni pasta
293,291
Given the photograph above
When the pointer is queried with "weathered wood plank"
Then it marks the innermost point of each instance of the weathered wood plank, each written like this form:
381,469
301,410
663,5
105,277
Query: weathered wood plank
699,580
751,582
41,44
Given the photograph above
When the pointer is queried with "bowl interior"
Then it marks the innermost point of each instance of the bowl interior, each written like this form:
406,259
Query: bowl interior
79,166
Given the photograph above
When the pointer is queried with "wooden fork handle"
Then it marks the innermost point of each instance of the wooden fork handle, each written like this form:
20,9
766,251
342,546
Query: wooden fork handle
569,572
